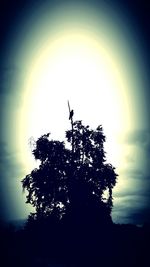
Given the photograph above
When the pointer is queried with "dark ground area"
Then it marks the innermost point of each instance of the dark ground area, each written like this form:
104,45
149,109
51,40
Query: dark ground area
111,245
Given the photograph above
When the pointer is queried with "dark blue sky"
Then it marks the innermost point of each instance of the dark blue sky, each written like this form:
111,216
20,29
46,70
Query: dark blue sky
12,15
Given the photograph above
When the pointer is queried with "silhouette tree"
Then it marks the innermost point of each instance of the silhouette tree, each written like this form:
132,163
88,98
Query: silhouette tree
71,181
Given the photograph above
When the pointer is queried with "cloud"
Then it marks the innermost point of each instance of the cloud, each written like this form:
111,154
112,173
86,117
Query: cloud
138,217
136,213
132,209
11,84
7,161
7,78
133,181
139,138
132,202
132,194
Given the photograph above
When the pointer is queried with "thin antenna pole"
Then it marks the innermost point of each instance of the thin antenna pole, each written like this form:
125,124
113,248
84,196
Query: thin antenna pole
71,119
69,107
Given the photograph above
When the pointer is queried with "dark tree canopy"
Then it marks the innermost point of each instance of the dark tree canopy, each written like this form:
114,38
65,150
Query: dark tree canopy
71,180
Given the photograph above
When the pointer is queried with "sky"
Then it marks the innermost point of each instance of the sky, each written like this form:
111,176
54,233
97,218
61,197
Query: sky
94,53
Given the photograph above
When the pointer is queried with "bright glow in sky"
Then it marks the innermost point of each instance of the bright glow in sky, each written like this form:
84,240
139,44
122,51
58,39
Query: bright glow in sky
77,68
78,59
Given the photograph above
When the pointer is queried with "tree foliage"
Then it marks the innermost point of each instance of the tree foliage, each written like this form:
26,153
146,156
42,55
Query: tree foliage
71,180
